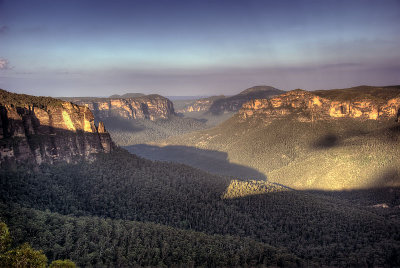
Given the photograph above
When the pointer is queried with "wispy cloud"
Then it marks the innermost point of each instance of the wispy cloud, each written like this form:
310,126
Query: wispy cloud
4,64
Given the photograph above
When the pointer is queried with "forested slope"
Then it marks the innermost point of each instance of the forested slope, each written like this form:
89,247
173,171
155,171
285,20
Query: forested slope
99,242
330,155
318,229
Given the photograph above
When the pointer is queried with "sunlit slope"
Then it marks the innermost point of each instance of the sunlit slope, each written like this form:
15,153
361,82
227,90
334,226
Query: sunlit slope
325,154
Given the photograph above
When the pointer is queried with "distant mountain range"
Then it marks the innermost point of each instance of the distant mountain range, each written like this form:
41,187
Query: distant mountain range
328,139
220,104
98,205
127,96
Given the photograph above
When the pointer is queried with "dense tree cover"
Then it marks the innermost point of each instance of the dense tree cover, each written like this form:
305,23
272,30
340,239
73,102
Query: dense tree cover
23,100
5,238
62,264
318,229
237,188
377,94
24,255
136,131
329,155
94,241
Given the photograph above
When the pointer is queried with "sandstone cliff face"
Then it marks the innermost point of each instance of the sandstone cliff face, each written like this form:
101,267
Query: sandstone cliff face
38,131
234,103
150,107
361,102
201,105
221,104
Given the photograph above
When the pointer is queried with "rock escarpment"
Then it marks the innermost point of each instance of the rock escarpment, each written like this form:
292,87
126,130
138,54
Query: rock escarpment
362,102
42,129
150,107
201,105
234,103
221,104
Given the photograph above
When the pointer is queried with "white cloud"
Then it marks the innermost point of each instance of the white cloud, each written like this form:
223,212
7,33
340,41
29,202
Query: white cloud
4,64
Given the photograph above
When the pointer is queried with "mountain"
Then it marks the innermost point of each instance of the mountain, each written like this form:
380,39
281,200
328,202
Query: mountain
118,209
200,105
360,102
127,96
150,107
140,119
234,103
43,129
328,139
220,104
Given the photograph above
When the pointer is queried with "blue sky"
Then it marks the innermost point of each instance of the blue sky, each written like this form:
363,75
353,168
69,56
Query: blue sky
99,48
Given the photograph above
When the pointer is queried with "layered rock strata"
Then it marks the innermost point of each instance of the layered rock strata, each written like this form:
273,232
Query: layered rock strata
150,107
39,129
362,103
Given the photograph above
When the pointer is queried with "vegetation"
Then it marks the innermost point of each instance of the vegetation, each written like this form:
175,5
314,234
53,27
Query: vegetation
238,188
120,189
24,255
128,132
234,103
336,154
126,96
377,94
94,241
122,210
140,131
62,264
22,100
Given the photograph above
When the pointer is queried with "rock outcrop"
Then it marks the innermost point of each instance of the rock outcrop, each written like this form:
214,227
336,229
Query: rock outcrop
234,103
362,102
150,107
42,129
201,105
220,104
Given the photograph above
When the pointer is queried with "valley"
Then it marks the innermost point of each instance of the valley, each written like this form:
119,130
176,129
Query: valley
262,188
305,140
199,134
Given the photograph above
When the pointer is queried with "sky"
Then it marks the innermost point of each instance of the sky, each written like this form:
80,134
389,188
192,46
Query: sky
169,47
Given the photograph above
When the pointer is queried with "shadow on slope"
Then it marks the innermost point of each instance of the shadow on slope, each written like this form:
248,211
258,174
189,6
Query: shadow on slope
357,134
209,160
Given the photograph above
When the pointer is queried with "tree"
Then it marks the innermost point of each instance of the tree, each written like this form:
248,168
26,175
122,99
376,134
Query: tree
23,256
5,239
62,264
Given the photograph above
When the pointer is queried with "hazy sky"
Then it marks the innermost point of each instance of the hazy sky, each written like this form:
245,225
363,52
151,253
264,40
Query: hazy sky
99,48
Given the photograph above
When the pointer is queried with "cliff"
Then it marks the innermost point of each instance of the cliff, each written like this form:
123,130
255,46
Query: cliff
234,103
201,105
220,104
362,102
43,129
151,107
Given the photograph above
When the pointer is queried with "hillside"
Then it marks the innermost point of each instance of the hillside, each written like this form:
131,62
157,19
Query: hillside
234,103
123,190
150,107
217,105
117,209
127,96
43,129
199,105
309,140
